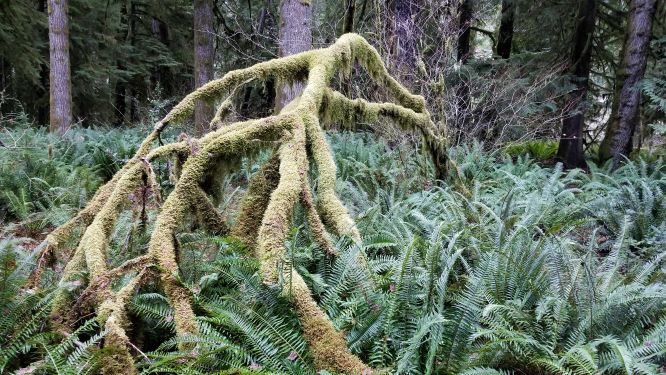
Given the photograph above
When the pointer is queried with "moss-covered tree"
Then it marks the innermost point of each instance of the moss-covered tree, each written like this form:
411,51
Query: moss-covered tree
266,212
295,36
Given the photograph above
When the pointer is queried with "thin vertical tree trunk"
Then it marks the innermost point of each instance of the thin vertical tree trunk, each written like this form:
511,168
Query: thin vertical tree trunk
295,36
624,115
120,99
60,82
41,102
505,37
463,99
204,50
135,85
163,74
121,90
570,151
350,10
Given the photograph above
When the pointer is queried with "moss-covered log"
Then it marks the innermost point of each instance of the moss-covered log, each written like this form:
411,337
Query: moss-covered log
266,212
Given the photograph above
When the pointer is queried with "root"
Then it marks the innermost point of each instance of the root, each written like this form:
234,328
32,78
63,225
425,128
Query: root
266,212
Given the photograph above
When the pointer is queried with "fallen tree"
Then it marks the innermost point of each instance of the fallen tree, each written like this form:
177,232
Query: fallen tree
266,210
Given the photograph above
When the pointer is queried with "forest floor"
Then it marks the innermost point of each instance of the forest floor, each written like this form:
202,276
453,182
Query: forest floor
510,264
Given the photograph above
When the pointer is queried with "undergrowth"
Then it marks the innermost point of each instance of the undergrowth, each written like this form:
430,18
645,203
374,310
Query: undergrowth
506,267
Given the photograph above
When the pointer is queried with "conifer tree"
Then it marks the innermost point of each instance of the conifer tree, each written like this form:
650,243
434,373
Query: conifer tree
570,150
60,82
617,143
204,50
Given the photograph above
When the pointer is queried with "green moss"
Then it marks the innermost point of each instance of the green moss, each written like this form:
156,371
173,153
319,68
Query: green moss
255,201
334,213
208,215
266,211
276,221
316,226
115,359
328,346
538,149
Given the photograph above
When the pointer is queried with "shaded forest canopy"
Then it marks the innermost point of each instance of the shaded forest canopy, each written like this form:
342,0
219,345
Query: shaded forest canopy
426,187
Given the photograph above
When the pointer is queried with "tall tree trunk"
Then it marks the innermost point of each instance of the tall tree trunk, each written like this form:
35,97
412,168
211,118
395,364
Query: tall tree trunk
60,82
43,91
204,50
162,75
505,37
295,36
465,31
462,90
121,91
350,10
570,150
624,115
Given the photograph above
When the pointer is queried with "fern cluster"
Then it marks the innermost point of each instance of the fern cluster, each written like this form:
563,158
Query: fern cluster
507,267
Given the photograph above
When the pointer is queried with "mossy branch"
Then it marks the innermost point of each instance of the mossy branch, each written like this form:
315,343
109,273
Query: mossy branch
266,211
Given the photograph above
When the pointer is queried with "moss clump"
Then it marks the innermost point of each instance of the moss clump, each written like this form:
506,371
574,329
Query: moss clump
254,204
115,360
266,211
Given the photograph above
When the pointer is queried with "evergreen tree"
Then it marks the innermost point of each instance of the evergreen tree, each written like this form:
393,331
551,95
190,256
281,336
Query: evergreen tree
204,50
570,150
60,82
617,143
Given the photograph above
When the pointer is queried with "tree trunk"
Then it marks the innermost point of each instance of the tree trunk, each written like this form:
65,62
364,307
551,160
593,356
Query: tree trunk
204,50
463,99
43,91
464,24
624,115
505,37
295,36
120,98
60,82
350,9
570,151
135,85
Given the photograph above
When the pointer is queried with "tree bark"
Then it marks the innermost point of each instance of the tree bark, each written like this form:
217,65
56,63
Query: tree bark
570,151
204,50
295,36
465,24
60,82
505,37
350,10
624,115
463,99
